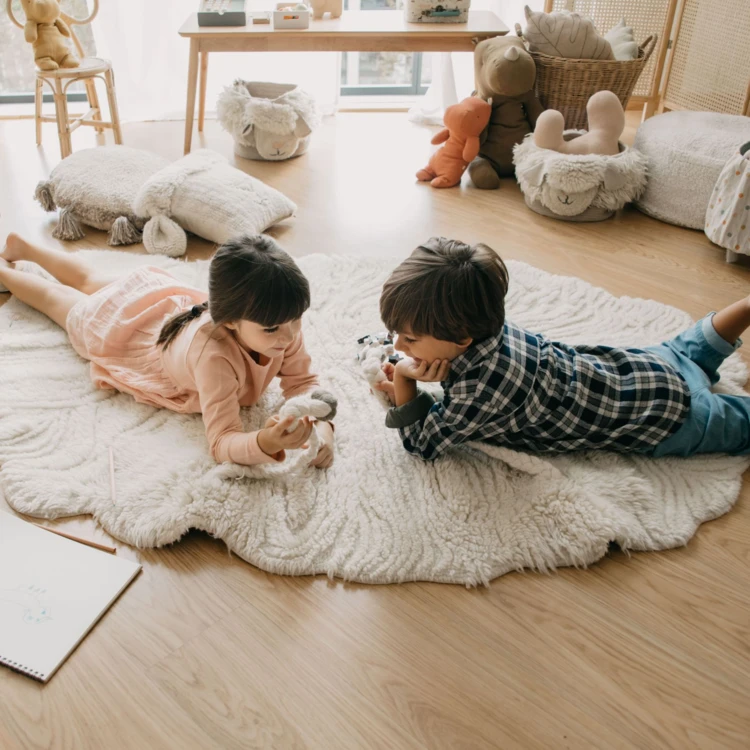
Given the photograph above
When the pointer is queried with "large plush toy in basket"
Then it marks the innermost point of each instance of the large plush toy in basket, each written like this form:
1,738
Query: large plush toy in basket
577,175
573,61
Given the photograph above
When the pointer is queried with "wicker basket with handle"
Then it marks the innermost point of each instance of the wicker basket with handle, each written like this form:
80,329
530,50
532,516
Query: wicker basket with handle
565,84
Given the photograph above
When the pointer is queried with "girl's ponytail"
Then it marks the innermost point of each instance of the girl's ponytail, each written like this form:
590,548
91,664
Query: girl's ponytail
173,326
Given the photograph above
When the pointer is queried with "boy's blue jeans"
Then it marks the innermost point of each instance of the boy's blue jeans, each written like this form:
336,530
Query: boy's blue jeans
716,423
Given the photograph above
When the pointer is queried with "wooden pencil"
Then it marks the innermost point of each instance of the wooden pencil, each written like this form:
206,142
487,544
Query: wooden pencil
96,545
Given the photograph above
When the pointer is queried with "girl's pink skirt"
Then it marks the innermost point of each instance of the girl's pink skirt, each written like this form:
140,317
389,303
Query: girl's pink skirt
116,329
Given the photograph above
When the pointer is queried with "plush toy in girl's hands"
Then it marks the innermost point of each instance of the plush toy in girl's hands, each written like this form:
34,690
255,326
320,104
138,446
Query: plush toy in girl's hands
464,122
45,30
319,404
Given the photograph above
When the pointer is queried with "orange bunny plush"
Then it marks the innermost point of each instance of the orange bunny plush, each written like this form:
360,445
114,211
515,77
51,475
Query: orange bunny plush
464,123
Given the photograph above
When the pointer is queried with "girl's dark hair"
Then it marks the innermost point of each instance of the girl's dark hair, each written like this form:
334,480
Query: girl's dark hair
250,278
447,289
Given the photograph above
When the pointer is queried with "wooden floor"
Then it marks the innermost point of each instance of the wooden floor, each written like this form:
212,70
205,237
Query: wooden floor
205,651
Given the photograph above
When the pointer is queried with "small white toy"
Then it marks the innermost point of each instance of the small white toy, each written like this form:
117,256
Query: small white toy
376,349
319,404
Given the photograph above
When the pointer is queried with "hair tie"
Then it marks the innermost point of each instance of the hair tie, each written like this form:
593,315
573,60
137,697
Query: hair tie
196,311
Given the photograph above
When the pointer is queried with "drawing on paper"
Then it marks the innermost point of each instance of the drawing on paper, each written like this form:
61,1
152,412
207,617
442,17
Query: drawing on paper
27,602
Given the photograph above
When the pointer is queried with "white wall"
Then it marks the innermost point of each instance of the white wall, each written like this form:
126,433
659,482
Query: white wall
511,11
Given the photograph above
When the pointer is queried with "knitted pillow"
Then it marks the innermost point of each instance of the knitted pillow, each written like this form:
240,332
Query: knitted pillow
97,187
205,195
565,34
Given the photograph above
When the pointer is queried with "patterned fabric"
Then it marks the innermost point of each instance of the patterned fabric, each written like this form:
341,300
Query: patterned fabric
728,214
520,390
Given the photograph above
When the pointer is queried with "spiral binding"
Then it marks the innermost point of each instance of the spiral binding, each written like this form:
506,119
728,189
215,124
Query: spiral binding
22,669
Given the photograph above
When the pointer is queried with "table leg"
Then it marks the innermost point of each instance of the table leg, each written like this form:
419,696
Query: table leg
202,94
191,90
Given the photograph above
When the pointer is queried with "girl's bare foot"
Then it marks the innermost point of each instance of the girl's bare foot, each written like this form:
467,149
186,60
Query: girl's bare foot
4,264
15,248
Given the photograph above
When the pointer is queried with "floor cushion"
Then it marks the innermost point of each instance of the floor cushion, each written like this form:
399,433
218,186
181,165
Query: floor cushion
96,187
686,152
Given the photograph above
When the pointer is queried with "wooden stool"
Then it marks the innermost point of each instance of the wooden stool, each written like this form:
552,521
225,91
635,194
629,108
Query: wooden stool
59,80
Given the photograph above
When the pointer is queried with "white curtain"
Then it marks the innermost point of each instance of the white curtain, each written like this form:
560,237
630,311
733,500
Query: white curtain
150,60
453,73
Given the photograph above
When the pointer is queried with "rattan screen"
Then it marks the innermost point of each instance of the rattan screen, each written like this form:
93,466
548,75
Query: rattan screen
710,66
645,16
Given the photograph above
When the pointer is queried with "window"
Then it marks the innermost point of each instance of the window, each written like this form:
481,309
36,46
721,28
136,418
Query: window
383,73
17,77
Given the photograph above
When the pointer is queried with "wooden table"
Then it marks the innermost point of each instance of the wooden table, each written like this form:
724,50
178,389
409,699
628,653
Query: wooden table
355,31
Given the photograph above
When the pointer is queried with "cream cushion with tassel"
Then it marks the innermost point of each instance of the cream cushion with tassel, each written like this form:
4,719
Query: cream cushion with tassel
96,187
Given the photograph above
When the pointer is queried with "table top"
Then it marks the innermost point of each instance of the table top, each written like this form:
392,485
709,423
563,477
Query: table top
361,23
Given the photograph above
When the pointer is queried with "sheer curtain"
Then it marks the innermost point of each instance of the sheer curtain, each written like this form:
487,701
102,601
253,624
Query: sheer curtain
453,73
150,60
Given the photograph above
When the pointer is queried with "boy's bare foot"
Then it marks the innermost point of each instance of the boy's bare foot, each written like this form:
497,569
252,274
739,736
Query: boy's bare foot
15,248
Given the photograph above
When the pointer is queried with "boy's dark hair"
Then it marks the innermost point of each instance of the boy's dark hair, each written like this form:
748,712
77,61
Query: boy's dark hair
448,290
250,278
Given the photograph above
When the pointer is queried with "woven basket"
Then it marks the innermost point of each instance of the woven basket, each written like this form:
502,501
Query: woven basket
566,84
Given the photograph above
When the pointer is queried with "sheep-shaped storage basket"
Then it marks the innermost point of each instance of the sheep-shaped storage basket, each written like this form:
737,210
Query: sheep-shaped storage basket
573,187
268,121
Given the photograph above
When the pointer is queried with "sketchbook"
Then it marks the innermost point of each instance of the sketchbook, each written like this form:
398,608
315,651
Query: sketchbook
52,592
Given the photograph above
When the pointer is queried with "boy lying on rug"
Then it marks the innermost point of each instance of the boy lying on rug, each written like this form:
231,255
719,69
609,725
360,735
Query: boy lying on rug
149,335
511,387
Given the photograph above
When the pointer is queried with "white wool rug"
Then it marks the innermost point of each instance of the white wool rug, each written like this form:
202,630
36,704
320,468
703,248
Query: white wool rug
378,515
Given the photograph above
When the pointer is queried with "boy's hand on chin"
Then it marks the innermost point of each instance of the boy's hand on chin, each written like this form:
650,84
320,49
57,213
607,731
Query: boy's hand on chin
424,372
387,387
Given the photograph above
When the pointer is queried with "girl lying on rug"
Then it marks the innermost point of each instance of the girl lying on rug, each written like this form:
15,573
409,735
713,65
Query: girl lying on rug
173,346
508,386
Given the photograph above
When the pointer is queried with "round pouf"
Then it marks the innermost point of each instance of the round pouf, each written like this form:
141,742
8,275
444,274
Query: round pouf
686,152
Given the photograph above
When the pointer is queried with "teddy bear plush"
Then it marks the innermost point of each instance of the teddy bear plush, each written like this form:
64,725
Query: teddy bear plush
464,122
45,30
504,72
606,123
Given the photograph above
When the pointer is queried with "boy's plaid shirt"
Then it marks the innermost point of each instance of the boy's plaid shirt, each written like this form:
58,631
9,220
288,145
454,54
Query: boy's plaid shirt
523,391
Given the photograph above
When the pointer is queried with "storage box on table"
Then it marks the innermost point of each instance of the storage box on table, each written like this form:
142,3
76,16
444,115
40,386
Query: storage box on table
437,11
222,13
290,16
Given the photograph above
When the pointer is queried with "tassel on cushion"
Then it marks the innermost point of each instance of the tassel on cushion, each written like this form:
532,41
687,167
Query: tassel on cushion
43,194
163,236
124,232
68,227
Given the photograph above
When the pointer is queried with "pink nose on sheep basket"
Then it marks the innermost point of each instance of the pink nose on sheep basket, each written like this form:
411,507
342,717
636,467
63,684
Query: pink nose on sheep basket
572,187
268,121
